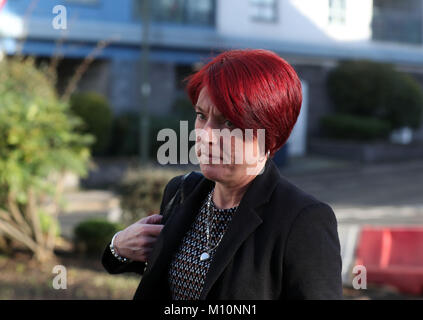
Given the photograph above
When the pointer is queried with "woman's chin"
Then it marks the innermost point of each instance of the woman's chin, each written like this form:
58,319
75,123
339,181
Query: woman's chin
215,172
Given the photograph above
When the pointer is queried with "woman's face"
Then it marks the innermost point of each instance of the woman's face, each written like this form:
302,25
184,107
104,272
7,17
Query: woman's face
225,160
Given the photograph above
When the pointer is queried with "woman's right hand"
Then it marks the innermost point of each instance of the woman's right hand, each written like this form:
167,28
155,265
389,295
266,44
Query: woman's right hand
136,241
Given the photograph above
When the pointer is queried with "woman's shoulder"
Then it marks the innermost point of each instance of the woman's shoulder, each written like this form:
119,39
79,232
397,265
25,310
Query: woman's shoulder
288,191
187,181
293,201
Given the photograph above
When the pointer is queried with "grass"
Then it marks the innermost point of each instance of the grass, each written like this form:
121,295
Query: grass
22,278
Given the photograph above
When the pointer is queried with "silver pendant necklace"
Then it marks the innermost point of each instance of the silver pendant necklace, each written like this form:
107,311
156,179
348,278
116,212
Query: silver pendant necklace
206,254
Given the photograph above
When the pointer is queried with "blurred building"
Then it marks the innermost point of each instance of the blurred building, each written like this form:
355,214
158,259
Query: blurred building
313,35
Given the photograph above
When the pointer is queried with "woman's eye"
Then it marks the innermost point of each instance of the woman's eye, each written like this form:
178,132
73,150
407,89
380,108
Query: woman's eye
200,116
229,124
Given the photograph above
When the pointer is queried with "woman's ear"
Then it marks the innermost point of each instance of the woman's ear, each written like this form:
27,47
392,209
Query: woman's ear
266,156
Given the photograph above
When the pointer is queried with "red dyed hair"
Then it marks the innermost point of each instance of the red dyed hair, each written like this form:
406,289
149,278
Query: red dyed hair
254,89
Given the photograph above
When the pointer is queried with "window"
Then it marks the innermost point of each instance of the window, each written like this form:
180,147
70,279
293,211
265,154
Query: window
83,2
337,12
181,72
263,10
397,21
192,12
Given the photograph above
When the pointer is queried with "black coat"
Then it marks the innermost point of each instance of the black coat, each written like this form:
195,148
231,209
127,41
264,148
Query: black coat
282,243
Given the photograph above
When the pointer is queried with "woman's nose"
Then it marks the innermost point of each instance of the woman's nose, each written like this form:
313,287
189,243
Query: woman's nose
212,133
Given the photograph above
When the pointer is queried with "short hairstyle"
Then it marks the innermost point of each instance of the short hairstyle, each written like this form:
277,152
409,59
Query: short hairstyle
254,89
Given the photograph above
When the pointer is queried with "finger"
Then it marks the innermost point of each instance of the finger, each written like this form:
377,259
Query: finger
147,251
152,229
143,251
148,241
144,255
153,219
141,257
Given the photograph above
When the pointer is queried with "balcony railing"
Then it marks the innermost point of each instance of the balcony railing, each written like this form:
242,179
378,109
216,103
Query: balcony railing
182,12
397,26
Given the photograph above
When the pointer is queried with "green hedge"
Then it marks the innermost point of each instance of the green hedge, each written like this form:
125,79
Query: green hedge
183,109
141,192
125,129
369,89
344,126
125,133
97,116
92,235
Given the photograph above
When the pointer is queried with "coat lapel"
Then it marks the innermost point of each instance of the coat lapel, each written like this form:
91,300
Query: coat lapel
177,226
245,221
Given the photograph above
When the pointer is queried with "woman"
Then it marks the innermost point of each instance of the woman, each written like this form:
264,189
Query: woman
242,230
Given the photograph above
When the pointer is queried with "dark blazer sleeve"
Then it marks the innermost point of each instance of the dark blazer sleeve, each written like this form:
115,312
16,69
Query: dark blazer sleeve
312,259
113,265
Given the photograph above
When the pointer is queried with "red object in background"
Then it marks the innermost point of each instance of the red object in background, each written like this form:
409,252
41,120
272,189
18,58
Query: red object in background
393,256
2,3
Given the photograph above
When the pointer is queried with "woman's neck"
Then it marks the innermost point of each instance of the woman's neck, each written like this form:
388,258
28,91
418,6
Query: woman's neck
225,196
228,195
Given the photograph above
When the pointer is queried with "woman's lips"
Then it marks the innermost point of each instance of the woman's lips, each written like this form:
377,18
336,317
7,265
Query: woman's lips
210,159
215,158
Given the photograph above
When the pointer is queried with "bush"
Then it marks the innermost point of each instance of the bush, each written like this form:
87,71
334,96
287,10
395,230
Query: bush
94,234
370,89
158,123
141,192
184,110
47,221
343,126
97,116
38,140
125,129
125,133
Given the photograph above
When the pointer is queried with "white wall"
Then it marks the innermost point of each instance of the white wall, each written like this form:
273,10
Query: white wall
298,20
298,139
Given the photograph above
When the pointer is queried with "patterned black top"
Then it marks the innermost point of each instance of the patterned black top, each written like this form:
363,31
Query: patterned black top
187,272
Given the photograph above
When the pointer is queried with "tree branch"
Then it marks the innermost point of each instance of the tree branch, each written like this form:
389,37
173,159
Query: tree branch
32,213
82,68
17,214
59,191
19,236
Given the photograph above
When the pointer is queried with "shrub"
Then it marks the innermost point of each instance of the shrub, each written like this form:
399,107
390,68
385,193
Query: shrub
183,109
47,222
97,116
94,234
124,136
377,90
125,133
141,192
38,140
344,126
158,123
126,126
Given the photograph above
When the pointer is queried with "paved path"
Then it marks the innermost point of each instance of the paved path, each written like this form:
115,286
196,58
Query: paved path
378,195
371,194
385,194
89,204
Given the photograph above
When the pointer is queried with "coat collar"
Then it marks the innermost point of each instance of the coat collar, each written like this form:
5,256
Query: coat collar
246,219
